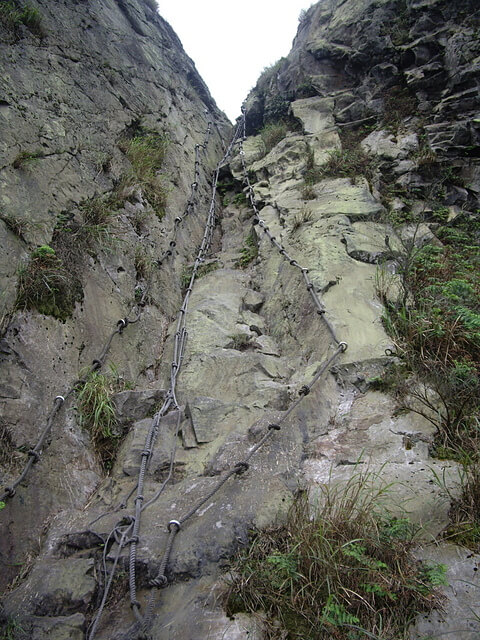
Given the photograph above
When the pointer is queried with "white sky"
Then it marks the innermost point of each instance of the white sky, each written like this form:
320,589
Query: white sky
232,42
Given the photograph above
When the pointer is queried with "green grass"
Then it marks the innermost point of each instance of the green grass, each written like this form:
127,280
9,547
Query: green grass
98,216
272,133
399,104
11,629
202,270
249,251
348,162
12,15
18,226
302,216
344,571
45,284
146,152
25,158
240,341
97,414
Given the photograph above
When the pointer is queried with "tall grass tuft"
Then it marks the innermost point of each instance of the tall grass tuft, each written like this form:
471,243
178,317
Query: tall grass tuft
343,571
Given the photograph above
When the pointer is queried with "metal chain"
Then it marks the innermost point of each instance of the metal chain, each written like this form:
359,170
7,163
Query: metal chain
174,526
97,364
171,399
180,339
281,249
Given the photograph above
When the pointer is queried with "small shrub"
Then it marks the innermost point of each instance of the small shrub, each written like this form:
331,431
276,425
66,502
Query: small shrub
239,199
399,104
300,218
276,109
306,89
348,163
143,263
18,226
97,215
249,251
46,285
240,341
97,414
12,629
12,16
146,152
436,324
202,270
8,459
464,527
25,158
272,133
326,573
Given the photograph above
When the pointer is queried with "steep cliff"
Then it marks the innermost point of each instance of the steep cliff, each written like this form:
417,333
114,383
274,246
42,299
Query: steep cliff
362,150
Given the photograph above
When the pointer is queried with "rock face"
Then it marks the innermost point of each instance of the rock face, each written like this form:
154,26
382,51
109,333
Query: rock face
97,74
254,338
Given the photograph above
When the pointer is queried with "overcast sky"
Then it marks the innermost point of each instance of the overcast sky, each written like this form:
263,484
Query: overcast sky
232,42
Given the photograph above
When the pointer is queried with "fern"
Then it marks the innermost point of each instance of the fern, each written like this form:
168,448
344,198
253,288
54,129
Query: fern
336,614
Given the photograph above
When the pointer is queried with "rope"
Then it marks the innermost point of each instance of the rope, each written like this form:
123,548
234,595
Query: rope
36,452
281,249
171,401
174,526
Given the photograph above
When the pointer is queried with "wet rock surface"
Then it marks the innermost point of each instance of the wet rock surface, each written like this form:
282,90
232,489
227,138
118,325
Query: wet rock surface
254,337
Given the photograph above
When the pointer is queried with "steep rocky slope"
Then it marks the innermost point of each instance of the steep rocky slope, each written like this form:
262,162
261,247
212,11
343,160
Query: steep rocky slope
395,85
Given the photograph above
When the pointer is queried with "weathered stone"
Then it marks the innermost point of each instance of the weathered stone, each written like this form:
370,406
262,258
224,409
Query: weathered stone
58,628
460,612
133,405
205,414
416,235
130,462
315,114
384,144
254,337
55,588
253,301
366,242
338,196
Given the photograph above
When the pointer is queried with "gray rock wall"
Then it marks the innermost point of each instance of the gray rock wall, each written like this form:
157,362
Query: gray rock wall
254,338
68,97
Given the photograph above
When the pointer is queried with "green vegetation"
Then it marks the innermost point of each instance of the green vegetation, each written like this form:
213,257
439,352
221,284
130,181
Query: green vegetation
435,322
399,104
276,109
249,251
348,163
46,285
300,218
7,448
18,226
344,571
97,413
25,158
240,341
306,89
146,151
272,133
341,163
202,270
12,15
143,263
239,199
98,215
11,629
